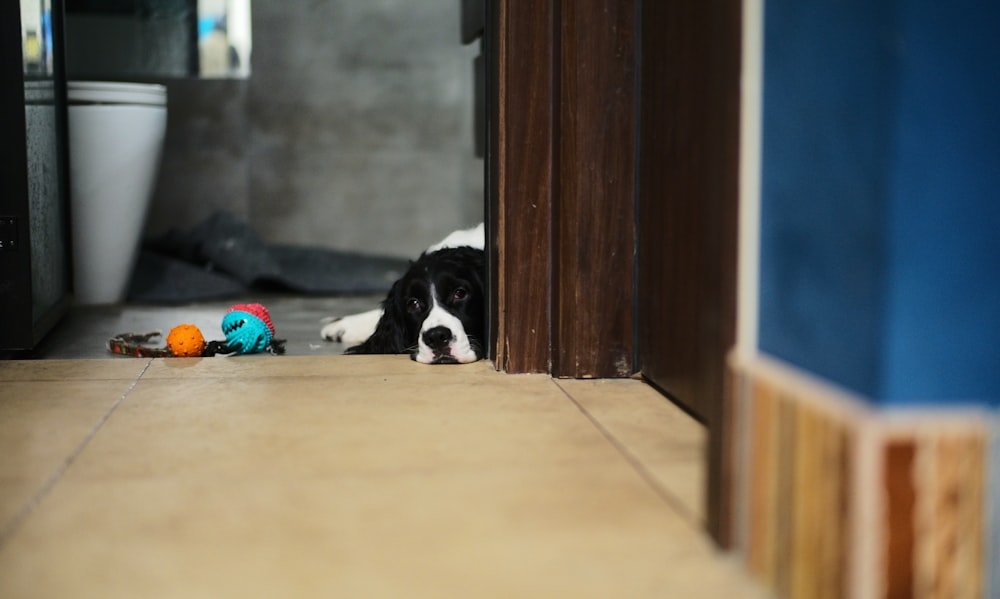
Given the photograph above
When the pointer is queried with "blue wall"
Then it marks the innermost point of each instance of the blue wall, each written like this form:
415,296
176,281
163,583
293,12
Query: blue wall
880,236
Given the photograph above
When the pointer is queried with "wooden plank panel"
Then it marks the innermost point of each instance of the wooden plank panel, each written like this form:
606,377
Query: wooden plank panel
820,520
899,509
800,484
785,427
763,488
949,519
594,206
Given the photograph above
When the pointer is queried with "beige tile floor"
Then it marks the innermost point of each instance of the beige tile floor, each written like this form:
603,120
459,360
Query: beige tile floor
346,476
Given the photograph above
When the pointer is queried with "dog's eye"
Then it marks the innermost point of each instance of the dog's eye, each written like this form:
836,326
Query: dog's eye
459,293
413,305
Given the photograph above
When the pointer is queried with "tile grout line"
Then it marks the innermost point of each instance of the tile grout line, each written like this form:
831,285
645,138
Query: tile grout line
8,532
648,477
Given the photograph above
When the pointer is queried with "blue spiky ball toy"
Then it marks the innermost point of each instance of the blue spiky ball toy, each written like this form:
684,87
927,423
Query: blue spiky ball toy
248,330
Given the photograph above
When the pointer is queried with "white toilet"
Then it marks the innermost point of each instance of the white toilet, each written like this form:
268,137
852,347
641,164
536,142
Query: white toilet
116,133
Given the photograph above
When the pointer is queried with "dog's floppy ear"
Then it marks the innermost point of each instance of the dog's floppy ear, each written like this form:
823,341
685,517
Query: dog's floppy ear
389,332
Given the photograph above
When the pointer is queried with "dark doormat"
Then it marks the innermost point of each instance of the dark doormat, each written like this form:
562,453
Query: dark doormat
223,257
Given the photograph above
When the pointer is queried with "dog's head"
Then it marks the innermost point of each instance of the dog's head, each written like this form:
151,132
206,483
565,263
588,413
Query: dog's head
436,311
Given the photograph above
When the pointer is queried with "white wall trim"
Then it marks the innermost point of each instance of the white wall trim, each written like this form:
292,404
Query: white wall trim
751,102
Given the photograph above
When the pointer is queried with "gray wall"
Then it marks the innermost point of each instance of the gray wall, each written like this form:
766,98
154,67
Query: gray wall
354,130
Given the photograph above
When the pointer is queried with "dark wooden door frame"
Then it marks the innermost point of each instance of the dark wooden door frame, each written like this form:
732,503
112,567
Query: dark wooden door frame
561,221
520,103
688,202
563,171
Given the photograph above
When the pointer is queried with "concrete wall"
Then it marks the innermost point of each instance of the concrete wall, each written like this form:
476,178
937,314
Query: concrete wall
354,130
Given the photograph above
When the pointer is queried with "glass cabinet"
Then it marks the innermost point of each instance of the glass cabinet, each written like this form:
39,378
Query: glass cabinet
34,221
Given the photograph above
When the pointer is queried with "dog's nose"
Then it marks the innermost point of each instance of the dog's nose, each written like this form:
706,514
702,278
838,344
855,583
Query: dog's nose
437,338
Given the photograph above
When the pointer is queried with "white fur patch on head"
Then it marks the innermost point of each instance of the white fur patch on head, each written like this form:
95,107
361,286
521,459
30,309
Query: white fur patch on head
460,349
474,237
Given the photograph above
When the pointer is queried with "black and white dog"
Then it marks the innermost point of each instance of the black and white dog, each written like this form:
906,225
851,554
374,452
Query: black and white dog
436,312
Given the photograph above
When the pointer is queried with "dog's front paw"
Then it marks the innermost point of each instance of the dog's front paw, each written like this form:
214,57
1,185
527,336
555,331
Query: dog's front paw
351,330
333,330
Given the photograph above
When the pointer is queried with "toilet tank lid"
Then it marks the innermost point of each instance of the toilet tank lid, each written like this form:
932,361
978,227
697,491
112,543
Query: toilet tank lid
114,92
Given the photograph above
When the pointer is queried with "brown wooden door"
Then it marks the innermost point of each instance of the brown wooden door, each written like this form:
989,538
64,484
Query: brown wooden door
600,112
687,213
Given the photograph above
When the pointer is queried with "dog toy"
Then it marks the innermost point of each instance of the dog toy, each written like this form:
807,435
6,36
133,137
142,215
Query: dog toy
247,327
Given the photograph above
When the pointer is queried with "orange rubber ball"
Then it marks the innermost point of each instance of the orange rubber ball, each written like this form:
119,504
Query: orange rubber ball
186,341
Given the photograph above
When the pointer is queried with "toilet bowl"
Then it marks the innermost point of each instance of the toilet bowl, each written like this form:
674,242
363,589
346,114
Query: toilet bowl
116,133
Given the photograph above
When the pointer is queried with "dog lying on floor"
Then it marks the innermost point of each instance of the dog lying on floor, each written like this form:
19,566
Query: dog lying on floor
436,312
